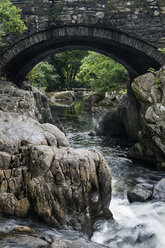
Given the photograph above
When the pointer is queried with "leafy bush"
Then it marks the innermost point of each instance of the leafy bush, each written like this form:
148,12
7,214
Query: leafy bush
78,68
101,73
10,18
44,76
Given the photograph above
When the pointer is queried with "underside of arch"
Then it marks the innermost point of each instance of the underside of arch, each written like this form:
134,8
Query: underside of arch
136,55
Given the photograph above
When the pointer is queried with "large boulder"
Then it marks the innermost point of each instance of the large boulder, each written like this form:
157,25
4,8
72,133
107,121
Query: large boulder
122,121
140,116
22,236
159,190
62,98
41,176
139,194
21,104
10,205
100,103
64,187
149,90
91,100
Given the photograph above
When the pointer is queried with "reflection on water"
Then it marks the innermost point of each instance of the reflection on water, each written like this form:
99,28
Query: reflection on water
139,225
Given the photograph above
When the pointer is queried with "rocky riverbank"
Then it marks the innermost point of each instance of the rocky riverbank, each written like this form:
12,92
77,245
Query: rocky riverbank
61,99
149,90
142,194
40,175
140,116
101,103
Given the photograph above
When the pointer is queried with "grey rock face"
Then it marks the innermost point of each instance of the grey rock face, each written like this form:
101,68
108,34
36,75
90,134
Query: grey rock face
139,194
100,104
41,176
20,104
149,90
92,100
159,190
122,120
111,125
64,186
22,236
11,206
140,115
63,243
63,98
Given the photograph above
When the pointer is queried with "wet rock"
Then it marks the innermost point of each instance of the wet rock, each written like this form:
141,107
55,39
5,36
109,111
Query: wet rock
67,186
19,236
10,205
63,243
122,120
25,241
21,104
22,207
139,194
111,125
91,100
63,98
92,133
5,159
100,104
145,90
7,203
23,230
149,90
159,190
112,98
73,191
12,137
41,176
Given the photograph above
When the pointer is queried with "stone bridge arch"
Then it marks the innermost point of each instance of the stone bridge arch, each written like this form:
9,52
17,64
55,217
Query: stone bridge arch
135,54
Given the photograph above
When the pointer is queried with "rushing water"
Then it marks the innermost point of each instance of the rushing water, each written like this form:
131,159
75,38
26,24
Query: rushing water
139,225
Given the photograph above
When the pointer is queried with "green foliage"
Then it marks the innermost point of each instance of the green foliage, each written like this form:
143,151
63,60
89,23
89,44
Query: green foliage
101,73
152,70
78,68
10,19
68,65
123,91
162,50
44,76
157,79
32,76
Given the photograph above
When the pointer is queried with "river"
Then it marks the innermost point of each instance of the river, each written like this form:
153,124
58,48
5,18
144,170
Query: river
138,225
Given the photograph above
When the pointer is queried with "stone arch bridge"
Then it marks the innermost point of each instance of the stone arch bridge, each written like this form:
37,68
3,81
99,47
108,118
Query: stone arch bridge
128,31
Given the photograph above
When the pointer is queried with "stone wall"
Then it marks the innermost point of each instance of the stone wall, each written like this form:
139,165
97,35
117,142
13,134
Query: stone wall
128,31
142,19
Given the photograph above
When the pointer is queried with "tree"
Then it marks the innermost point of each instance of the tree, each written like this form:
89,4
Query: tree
44,76
68,65
10,18
101,73
78,68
